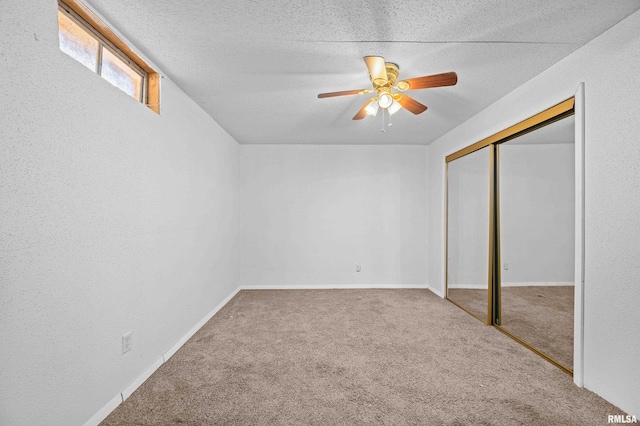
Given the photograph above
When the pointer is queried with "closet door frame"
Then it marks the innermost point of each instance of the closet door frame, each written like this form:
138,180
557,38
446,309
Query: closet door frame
491,223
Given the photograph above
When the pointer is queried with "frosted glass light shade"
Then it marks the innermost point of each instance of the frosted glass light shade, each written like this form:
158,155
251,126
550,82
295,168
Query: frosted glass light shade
385,100
395,107
372,108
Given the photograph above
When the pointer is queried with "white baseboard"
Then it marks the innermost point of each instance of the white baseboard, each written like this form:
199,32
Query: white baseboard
468,287
198,326
104,411
436,292
537,284
512,284
126,393
331,286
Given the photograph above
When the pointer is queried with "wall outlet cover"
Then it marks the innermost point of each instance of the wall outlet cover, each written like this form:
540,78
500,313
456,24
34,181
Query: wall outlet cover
126,342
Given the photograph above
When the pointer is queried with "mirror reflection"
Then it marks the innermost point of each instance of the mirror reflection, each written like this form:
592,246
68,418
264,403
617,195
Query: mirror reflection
536,207
468,197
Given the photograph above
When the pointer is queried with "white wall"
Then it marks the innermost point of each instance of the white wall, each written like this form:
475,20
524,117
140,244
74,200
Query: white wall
537,213
608,65
113,219
309,213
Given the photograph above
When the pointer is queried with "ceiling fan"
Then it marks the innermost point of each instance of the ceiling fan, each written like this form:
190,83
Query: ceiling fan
383,76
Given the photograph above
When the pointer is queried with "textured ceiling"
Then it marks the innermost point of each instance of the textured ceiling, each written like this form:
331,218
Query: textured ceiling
257,66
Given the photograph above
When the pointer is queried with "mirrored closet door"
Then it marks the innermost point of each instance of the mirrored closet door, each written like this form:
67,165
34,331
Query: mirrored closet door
536,217
468,204
510,232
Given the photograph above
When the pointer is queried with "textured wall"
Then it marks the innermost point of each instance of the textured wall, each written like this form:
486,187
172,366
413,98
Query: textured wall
113,219
608,66
310,212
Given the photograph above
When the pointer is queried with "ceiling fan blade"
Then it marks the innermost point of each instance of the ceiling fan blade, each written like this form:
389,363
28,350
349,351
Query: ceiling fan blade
362,113
377,70
344,93
436,80
410,104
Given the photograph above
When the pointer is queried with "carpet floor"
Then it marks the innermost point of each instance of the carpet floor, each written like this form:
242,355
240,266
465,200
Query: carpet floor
355,357
542,316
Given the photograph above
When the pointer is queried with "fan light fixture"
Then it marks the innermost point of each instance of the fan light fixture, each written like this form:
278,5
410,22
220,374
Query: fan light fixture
383,76
395,107
374,105
385,100
372,108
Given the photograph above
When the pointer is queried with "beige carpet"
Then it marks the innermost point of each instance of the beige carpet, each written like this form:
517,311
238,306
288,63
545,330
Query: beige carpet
540,315
473,300
355,357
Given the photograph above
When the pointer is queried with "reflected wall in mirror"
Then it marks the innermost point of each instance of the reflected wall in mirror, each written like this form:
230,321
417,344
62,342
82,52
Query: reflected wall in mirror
468,203
536,214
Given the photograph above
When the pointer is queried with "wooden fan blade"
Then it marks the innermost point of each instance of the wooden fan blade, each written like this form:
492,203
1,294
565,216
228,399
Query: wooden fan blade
436,80
377,70
362,113
343,93
410,104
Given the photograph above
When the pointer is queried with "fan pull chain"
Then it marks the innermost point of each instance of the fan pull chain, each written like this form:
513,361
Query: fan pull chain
388,125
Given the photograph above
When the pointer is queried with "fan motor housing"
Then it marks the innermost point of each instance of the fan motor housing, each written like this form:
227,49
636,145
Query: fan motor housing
392,75
392,72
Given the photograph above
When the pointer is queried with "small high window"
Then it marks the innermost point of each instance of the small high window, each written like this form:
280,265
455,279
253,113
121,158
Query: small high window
88,40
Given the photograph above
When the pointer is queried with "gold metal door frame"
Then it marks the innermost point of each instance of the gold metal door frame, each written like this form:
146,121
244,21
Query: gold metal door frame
491,279
487,320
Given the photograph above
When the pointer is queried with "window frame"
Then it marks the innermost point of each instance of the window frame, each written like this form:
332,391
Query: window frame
107,39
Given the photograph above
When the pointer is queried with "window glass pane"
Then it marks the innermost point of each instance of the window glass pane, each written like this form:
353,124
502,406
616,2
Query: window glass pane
121,75
76,42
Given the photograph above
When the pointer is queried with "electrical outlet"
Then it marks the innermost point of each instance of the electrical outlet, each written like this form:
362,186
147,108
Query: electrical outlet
357,267
126,342
506,266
